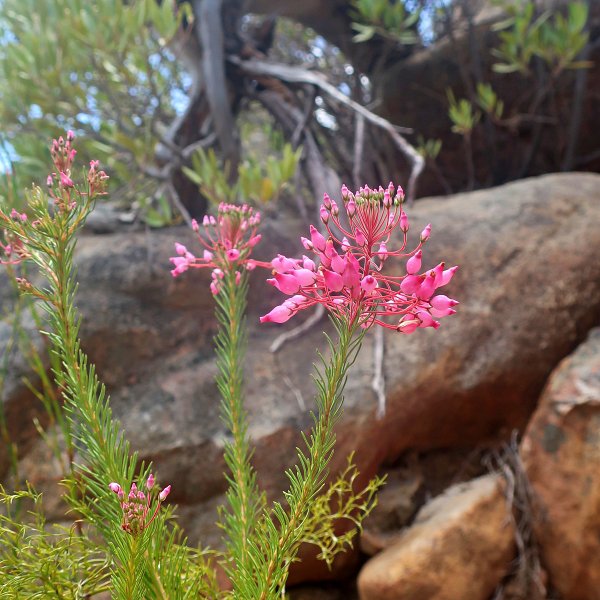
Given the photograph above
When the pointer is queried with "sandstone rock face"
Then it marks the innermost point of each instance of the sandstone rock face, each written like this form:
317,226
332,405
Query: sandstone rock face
561,451
529,287
460,546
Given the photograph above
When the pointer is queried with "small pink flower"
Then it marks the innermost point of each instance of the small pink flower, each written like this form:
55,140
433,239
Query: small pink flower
150,482
65,180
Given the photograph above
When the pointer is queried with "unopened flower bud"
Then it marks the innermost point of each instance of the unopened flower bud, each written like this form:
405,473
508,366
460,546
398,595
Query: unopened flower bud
150,482
413,264
162,496
426,233
324,214
403,222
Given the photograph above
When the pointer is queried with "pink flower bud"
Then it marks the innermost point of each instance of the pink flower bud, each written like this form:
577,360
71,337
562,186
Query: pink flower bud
442,303
280,314
345,244
238,277
335,211
351,208
207,256
447,275
318,241
387,200
307,243
254,240
150,482
338,263
180,249
404,222
333,280
195,226
408,325
427,287
282,264
413,264
288,284
70,136
162,496
232,254
411,283
324,215
326,201
368,283
49,181
115,487
361,240
305,277
307,263
426,233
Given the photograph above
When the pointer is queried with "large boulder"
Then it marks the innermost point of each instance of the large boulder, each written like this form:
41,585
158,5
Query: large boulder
460,546
529,287
561,451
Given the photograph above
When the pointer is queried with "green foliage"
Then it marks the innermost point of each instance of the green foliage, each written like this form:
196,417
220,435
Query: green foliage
489,101
385,18
555,39
428,148
100,68
339,504
257,181
462,114
38,561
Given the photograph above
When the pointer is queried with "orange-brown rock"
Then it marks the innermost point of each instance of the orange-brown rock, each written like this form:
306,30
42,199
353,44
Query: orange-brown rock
561,451
459,547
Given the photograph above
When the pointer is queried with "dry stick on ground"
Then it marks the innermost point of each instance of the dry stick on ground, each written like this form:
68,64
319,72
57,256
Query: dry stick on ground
292,74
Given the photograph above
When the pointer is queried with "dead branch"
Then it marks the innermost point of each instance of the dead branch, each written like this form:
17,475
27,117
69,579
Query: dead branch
293,74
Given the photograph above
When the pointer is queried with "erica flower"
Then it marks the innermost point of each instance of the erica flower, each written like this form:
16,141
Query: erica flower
228,241
347,277
137,505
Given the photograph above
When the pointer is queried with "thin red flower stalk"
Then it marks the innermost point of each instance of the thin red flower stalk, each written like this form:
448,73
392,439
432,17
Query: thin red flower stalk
228,241
349,281
136,505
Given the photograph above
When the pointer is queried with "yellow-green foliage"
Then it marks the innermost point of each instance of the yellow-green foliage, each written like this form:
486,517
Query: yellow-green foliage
257,181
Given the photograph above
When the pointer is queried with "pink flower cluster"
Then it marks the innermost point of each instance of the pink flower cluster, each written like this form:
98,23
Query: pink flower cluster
228,241
62,191
137,504
346,274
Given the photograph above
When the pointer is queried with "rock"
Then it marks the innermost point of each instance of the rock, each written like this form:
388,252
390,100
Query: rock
460,546
561,452
409,484
528,257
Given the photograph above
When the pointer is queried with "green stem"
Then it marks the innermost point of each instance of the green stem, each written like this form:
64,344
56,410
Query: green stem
307,482
243,495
